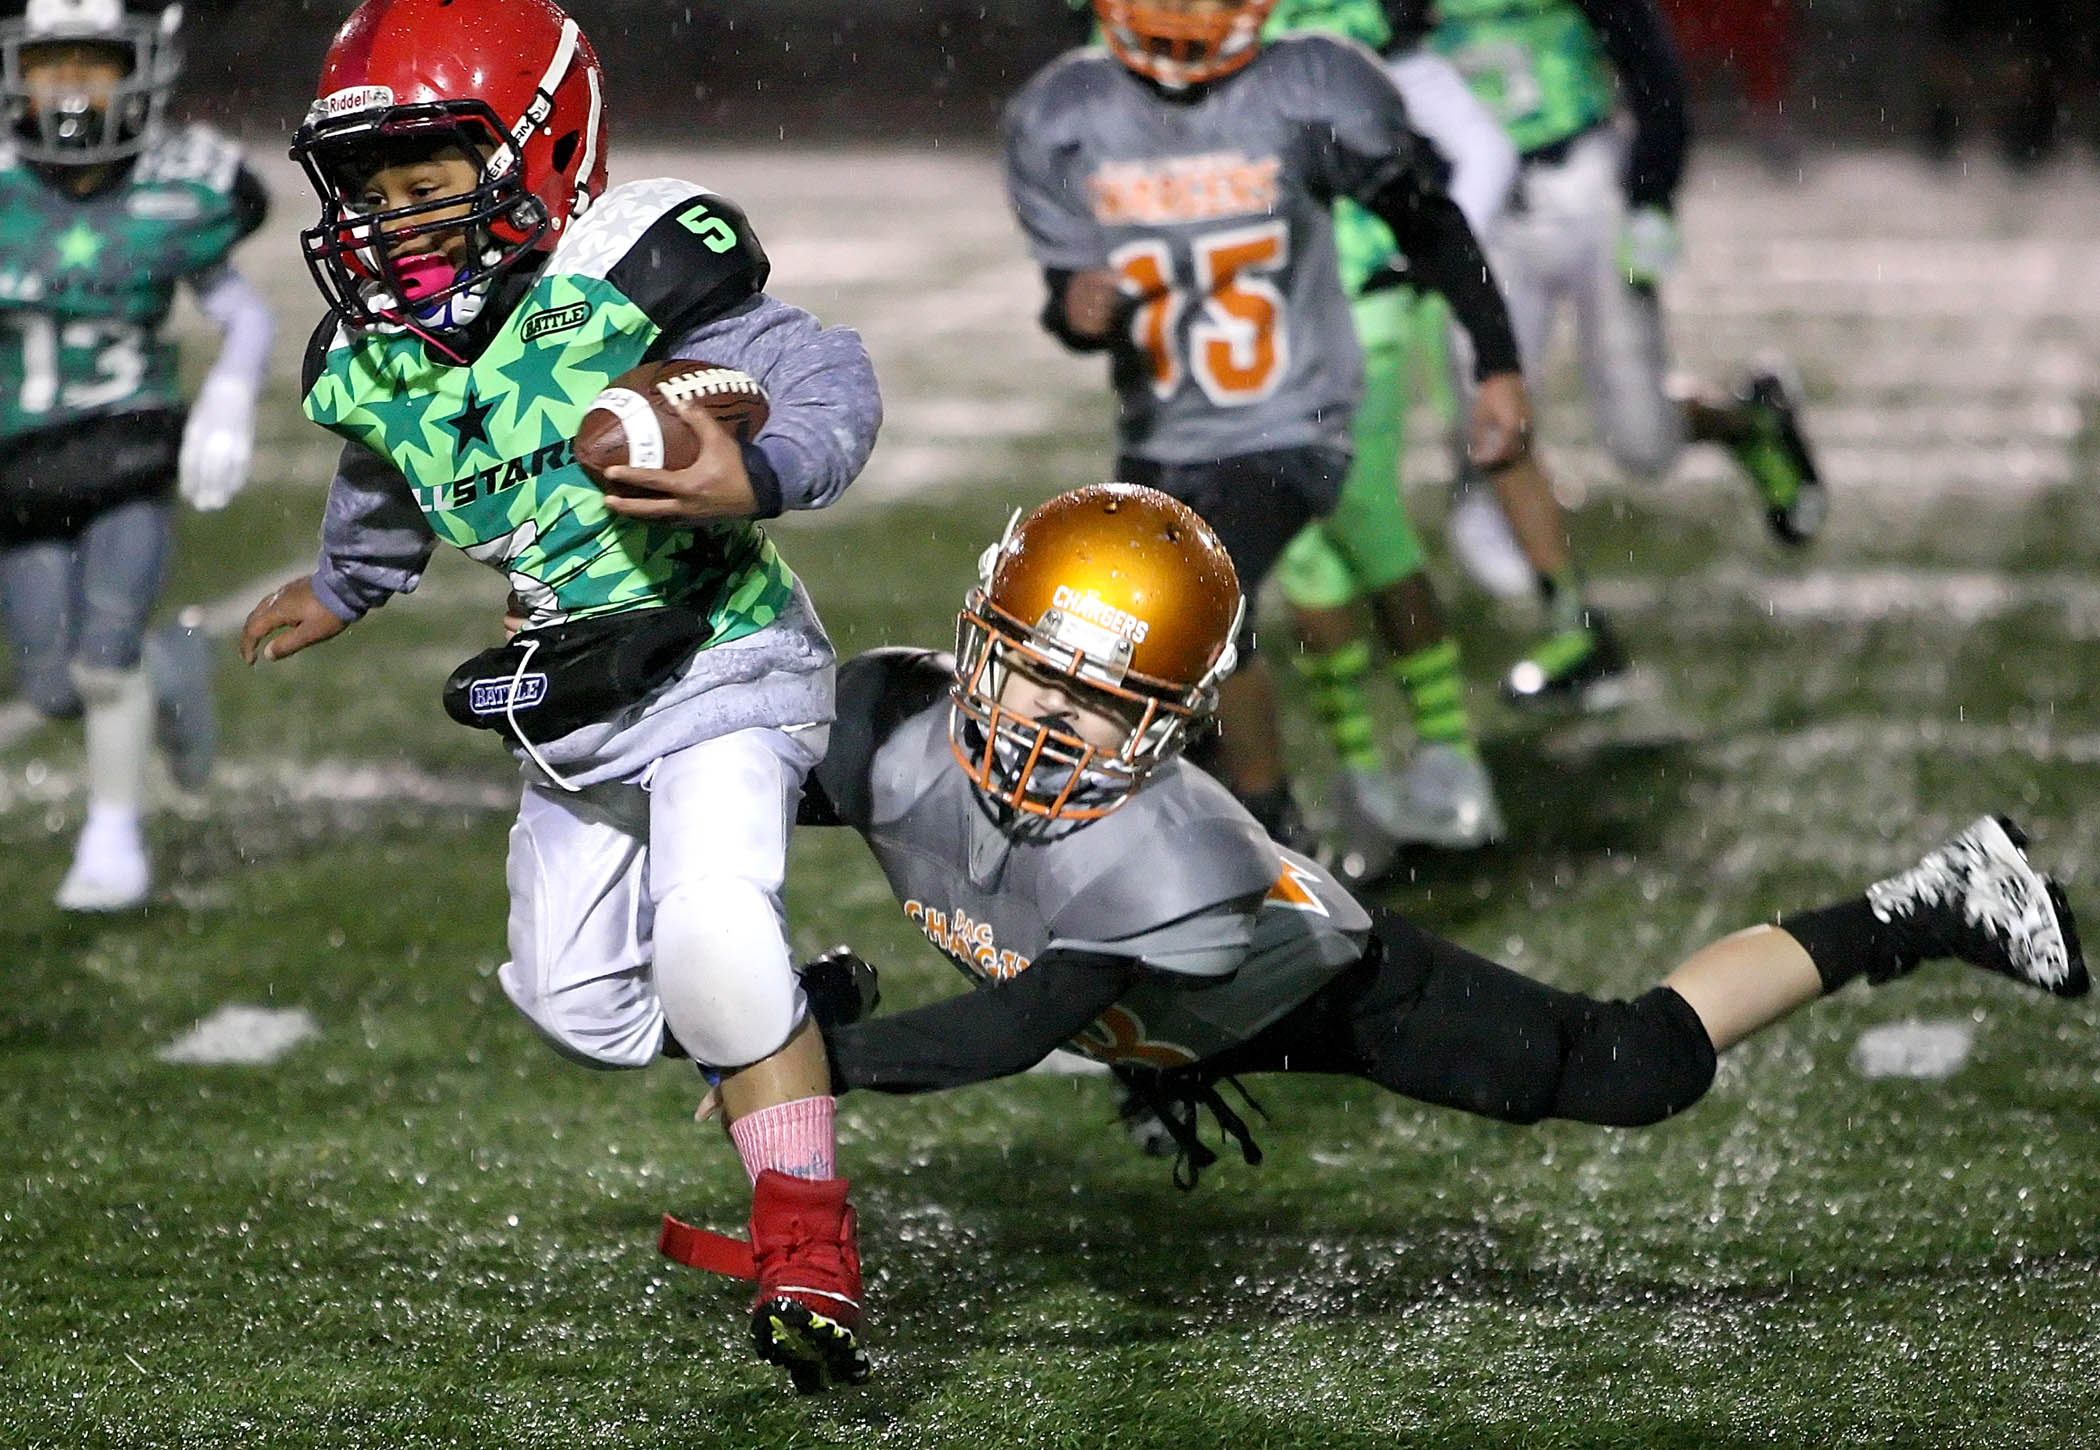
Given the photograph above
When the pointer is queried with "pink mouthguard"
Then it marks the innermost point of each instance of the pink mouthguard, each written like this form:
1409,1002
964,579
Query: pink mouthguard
422,276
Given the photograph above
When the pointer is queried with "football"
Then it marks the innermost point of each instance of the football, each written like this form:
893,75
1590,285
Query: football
635,421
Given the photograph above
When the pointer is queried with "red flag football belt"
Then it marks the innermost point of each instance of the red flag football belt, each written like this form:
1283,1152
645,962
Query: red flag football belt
701,1248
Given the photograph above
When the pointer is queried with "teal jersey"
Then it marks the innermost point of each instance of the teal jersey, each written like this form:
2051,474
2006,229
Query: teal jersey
486,448
1537,65
86,283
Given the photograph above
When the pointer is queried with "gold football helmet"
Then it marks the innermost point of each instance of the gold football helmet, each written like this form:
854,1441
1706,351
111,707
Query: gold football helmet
1183,43
1120,595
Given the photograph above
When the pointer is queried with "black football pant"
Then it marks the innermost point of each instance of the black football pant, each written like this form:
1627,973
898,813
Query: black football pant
1437,1023
1255,502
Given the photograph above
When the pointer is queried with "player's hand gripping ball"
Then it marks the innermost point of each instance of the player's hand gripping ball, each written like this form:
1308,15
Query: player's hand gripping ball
635,422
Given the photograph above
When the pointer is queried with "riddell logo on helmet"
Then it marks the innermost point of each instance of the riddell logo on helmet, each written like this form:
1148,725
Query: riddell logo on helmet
350,102
1092,608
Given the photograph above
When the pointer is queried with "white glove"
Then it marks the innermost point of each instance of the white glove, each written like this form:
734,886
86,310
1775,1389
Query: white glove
1648,246
218,443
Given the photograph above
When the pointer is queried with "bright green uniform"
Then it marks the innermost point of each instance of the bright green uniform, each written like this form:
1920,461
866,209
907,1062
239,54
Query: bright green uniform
1536,64
1367,542
486,448
86,283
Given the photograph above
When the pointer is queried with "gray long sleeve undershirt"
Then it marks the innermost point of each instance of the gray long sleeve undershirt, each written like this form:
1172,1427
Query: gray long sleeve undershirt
826,411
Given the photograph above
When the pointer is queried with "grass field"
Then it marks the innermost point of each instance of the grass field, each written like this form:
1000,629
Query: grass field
420,1228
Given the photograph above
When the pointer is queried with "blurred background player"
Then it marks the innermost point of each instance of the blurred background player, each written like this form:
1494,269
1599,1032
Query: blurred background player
481,293
103,210
1365,557
1177,192
1118,901
1591,223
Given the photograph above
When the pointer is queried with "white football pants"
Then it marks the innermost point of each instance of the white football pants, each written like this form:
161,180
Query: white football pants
637,907
1559,242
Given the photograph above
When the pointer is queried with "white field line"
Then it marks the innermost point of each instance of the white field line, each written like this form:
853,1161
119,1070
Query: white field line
1816,748
242,1035
284,782
1962,597
1844,596
1929,1050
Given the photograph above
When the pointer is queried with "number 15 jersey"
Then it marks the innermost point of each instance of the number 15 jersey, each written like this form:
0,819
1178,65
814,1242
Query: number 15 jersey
1214,211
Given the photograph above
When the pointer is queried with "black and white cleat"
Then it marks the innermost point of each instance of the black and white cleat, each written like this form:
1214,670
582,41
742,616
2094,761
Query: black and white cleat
1980,899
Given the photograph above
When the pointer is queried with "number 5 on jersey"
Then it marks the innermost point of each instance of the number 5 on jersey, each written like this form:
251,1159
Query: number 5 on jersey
1236,348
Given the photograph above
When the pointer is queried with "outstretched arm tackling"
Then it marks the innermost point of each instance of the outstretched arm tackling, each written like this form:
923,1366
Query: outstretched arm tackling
995,1031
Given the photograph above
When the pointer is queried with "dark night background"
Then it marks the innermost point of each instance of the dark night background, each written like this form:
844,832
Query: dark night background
756,70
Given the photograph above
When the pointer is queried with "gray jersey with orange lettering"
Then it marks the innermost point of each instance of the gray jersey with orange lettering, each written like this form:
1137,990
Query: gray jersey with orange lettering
1235,929
1216,209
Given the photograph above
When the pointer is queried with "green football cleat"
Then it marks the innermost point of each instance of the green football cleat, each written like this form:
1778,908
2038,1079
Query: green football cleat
1579,669
1777,457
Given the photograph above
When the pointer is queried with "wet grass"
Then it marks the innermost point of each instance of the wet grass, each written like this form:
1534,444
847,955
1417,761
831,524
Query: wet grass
422,1228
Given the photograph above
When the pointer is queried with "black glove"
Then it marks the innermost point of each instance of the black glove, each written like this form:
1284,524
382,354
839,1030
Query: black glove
840,986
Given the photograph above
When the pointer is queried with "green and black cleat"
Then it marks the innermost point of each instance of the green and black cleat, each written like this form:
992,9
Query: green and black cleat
1575,669
817,1352
1776,455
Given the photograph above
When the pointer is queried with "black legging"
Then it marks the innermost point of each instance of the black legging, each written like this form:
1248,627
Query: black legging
1435,1022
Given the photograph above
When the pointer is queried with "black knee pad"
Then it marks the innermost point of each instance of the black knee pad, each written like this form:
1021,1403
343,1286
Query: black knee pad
1629,1064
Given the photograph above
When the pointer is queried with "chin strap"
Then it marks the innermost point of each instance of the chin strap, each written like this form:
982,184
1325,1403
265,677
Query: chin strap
700,1248
430,339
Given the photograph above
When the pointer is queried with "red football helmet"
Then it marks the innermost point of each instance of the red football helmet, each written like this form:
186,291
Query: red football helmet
514,83
1183,43
1127,598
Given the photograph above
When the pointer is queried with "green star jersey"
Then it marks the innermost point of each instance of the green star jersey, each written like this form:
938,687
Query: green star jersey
1536,64
86,282
486,447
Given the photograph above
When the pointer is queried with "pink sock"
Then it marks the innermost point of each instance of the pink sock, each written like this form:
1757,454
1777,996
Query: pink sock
797,1138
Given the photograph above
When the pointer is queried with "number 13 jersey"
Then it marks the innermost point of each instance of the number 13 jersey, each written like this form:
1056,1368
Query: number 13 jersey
86,283
1213,210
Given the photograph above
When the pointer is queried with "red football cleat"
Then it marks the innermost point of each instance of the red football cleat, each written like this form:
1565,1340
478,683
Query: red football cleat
805,1255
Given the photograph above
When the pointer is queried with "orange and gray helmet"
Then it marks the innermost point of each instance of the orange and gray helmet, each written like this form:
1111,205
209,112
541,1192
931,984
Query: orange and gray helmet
1177,46
1122,595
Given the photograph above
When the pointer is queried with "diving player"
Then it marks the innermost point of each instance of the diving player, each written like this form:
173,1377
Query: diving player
1025,801
1591,224
103,211
1176,190
672,685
